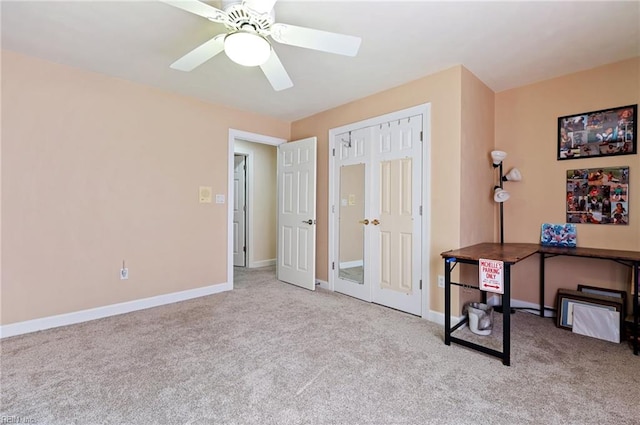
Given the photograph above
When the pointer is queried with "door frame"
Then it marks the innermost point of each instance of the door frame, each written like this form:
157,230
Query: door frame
253,138
425,111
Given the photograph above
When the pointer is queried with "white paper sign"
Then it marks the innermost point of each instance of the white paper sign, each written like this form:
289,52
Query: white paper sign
491,275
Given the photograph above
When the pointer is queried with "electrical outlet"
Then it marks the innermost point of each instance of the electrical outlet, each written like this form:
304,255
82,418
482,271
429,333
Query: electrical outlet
440,281
124,273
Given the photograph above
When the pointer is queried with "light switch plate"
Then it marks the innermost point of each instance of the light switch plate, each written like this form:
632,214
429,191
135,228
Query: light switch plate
219,199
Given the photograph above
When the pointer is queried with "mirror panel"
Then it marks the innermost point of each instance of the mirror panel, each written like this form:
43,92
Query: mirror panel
351,235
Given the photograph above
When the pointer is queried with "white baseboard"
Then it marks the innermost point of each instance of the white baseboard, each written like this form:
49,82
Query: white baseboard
262,263
493,300
35,325
323,284
496,300
438,317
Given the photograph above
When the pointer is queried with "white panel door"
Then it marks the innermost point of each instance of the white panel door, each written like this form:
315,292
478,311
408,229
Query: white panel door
395,227
352,155
239,211
390,157
297,212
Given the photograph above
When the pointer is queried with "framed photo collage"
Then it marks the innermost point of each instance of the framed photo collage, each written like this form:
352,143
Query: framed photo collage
598,195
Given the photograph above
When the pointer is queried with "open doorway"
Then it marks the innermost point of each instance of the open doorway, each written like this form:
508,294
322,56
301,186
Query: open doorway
255,204
260,157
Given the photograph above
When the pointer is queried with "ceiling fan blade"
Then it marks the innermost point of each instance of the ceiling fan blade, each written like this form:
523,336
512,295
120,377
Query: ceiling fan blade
260,6
200,54
198,8
275,72
331,42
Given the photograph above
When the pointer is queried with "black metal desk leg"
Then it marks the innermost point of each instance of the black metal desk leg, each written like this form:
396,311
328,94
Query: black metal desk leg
447,303
636,307
541,284
506,317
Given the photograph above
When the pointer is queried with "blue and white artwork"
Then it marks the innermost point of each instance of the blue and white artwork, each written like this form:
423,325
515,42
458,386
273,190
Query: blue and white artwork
563,235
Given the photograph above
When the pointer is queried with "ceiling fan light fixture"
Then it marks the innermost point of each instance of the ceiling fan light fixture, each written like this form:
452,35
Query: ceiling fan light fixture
247,48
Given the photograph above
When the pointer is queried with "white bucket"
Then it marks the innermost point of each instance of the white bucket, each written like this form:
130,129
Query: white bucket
480,318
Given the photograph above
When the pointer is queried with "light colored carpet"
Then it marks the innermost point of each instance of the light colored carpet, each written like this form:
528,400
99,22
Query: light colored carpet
272,353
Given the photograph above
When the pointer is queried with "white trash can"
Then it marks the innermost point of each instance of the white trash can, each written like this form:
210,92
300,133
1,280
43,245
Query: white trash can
480,318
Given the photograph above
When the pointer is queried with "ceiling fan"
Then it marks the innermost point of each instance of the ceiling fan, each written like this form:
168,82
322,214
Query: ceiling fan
250,22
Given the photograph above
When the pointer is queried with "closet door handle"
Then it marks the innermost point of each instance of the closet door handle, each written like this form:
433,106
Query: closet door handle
365,221
375,222
307,221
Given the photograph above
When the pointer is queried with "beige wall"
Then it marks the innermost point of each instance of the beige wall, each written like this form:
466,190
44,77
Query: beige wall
263,181
97,170
526,128
477,209
443,91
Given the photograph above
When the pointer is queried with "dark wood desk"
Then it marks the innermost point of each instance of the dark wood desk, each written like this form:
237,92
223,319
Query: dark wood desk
510,254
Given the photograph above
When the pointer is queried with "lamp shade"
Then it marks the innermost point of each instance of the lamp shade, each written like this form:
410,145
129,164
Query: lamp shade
500,195
247,48
498,157
513,176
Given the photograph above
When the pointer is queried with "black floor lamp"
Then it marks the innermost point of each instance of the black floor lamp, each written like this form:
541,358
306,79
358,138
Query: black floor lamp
500,195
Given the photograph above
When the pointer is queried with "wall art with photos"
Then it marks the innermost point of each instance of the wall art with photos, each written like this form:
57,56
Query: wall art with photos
598,133
598,195
563,235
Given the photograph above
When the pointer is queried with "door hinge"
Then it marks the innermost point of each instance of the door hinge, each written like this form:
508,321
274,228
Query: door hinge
334,152
421,136
421,284
333,208
333,265
420,209
244,249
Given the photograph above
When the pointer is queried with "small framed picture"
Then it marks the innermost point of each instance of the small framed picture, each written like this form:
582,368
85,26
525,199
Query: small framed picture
563,235
605,292
567,299
606,132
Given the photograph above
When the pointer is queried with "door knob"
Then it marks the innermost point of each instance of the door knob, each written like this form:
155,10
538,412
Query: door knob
365,221
308,221
375,222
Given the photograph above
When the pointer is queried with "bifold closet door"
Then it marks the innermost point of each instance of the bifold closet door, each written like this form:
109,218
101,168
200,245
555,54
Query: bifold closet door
377,214
396,198
351,205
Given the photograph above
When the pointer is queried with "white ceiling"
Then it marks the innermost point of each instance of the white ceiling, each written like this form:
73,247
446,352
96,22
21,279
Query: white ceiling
505,44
